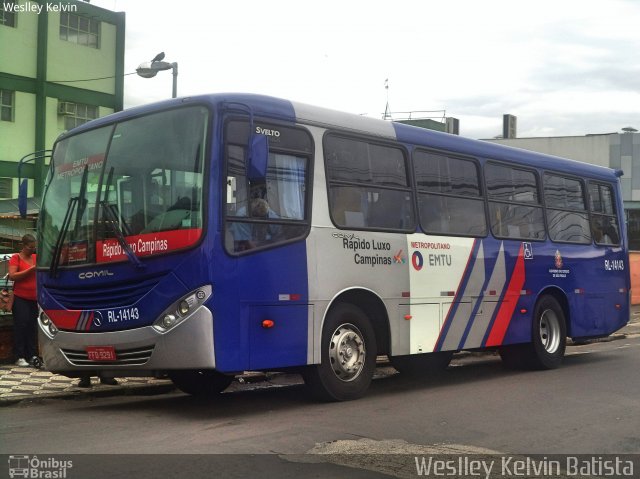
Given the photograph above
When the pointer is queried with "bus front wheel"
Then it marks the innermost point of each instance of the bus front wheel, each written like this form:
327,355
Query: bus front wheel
204,382
348,360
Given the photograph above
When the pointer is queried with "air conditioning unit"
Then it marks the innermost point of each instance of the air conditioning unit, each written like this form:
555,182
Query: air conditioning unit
66,108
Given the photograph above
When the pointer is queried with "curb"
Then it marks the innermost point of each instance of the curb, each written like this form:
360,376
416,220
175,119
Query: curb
95,391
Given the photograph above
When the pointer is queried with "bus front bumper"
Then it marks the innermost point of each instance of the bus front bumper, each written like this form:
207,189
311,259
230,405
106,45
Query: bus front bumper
189,345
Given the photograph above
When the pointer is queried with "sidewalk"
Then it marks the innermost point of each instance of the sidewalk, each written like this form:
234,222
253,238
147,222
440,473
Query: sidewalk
20,383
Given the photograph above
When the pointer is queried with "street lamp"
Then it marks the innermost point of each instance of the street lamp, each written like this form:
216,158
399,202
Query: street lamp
151,69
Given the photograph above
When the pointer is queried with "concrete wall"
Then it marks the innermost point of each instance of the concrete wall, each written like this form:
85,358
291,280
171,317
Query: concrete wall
15,134
594,149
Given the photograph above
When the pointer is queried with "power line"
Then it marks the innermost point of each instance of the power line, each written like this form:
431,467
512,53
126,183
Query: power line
89,79
75,81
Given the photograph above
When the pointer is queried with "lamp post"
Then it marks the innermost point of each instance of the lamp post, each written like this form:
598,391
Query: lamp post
151,69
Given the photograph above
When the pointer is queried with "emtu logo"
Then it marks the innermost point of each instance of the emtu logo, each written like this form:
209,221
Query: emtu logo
417,260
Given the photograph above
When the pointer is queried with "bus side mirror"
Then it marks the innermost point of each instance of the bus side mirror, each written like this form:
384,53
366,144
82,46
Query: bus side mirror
258,157
22,198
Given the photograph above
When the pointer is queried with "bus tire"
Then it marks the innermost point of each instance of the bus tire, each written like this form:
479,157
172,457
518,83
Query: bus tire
348,351
549,335
548,339
429,364
202,382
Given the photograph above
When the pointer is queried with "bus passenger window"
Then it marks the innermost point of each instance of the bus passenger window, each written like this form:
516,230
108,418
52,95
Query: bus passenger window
450,199
514,202
368,185
604,221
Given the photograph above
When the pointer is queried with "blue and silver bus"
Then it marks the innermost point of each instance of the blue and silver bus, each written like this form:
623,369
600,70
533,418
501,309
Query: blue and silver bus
202,237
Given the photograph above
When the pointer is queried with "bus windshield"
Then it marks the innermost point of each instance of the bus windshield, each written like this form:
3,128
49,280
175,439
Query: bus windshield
129,188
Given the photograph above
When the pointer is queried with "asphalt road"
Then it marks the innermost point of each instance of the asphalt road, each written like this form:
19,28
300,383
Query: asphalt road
588,406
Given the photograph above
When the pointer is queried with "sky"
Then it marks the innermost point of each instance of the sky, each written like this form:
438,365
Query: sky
563,67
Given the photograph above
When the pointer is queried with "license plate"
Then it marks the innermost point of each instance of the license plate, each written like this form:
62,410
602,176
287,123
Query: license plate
101,353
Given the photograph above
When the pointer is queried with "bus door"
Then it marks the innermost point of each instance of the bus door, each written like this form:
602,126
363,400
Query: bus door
266,221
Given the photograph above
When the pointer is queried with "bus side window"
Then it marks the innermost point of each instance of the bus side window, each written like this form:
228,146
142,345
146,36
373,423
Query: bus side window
604,221
368,184
347,206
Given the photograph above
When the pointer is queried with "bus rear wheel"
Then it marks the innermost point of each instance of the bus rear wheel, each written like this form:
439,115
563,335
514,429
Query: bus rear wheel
348,360
548,339
549,334
429,364
203,382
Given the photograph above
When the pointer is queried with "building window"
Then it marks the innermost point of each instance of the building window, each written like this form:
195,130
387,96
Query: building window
6,188
633,228
7,105
80,30
75,114
7,13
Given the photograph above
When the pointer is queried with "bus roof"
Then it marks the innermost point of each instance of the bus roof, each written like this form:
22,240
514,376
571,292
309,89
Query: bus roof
271,107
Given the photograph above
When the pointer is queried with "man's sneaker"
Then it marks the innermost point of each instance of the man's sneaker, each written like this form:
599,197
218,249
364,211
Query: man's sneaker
22,363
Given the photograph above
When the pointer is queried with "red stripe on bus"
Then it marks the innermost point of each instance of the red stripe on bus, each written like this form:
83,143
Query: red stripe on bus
509,303
64,319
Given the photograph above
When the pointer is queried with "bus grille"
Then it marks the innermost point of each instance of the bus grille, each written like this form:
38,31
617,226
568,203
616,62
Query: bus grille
114,296
128,357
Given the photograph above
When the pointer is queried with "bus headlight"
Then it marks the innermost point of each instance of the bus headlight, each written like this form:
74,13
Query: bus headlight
182,309
47,325
169,321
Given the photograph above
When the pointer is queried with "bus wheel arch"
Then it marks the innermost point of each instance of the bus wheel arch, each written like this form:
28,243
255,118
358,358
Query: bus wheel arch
348,347
549,324
374,309
562,299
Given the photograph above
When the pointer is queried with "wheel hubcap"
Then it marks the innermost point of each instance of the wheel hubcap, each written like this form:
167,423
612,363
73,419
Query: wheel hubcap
347,352
549,331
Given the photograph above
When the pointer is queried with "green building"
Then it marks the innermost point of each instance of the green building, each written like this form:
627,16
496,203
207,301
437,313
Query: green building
61,64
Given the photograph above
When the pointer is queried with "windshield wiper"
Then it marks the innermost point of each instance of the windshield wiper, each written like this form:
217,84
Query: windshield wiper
81,203
113,221
57,251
